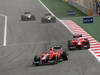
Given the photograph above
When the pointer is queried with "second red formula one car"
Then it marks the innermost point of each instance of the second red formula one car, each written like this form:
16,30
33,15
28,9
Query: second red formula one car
52,56
78,42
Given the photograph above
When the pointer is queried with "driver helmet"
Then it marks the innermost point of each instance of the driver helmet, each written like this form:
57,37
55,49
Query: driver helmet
51,49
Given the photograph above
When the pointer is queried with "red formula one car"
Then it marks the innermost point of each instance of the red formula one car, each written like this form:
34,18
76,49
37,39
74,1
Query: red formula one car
52,56
78,42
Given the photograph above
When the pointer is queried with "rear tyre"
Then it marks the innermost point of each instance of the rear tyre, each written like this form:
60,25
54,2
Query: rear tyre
65,56
54,20
22,18
87,44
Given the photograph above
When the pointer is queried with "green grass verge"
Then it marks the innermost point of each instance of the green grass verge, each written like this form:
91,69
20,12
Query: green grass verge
60,8
92,28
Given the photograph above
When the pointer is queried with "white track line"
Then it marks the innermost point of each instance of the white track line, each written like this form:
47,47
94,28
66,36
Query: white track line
54,15
5,30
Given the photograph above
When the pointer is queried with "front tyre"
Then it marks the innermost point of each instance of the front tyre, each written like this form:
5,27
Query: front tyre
36,61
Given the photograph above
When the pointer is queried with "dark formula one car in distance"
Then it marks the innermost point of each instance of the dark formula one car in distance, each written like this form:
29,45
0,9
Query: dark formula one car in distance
27,16
48,18
52,56
78,42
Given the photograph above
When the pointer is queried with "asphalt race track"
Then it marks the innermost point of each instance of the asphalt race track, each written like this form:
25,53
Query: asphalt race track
25,39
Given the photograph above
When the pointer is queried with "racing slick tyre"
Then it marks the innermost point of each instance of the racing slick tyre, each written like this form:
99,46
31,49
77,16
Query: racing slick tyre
87,44
65,56
54,20
36,61
23,18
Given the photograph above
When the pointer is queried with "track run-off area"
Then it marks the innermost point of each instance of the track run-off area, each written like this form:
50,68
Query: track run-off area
26,39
